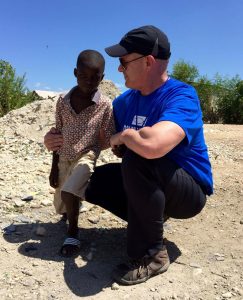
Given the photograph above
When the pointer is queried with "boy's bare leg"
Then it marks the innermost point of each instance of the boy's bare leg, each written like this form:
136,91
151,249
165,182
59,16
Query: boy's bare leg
72,207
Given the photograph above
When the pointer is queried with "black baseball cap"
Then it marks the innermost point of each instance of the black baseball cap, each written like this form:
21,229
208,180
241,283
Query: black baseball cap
146,40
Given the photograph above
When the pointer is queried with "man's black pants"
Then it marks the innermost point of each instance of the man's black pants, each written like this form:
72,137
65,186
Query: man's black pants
141,191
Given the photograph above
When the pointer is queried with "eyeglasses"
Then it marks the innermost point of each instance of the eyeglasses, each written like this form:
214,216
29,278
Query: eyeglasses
125,63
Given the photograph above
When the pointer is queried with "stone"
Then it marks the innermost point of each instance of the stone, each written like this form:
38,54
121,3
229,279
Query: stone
27,198
227,295
94,219
220,258
28,282
22,219
115,286
46,202
18,203
237,291
26,272
83,209
194,265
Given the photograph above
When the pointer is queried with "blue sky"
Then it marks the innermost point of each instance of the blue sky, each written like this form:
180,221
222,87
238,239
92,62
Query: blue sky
43,38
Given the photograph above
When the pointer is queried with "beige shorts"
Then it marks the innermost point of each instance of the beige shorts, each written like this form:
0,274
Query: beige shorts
73,178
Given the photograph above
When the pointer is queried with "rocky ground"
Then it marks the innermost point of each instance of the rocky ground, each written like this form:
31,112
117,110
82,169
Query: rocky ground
206,251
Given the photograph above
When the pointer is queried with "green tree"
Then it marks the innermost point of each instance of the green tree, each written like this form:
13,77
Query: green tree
221,98
230,99
208,99
13,93
189,73
185,72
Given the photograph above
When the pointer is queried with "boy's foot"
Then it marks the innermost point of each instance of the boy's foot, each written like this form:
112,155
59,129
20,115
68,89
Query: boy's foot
140,270
70,247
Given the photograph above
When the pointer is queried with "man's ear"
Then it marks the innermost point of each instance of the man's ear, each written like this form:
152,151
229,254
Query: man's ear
102,77
75,72
150,60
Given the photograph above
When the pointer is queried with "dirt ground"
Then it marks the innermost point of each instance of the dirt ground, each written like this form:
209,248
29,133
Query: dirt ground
206,251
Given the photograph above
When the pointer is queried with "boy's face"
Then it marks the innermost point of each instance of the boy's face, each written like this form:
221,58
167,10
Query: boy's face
88,78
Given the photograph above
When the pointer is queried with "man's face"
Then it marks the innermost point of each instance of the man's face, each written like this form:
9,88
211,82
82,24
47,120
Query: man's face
133,67
88,78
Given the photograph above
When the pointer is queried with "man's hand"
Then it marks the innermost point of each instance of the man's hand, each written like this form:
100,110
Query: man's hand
53,140
151,142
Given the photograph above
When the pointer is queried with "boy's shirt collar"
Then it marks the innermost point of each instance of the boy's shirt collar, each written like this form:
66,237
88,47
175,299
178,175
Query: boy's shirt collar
95,99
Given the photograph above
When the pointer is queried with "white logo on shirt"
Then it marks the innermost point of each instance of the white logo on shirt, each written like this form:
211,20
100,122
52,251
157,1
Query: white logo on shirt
139,121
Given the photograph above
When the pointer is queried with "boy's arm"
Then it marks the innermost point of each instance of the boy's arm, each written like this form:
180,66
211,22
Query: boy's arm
107,131
53,140
58,115
107,128
102,140
53,178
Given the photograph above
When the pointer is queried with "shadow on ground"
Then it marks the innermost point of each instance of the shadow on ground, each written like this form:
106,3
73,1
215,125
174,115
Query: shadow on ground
93,275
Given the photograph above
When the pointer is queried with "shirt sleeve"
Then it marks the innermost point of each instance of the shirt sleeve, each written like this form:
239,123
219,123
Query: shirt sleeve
58,115
183,108
108,124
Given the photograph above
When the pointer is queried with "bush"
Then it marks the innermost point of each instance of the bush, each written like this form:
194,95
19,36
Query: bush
230,102
189,73
185,72
221,98
13,93
208,99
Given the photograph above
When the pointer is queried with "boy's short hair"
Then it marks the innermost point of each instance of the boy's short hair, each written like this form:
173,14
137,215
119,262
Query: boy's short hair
91,58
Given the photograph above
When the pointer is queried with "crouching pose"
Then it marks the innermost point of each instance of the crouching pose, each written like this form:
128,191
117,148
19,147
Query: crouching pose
165,169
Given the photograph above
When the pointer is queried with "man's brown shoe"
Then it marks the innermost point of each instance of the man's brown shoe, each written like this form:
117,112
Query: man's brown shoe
140,270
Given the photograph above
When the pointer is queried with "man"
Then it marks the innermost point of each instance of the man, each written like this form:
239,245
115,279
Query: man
165,168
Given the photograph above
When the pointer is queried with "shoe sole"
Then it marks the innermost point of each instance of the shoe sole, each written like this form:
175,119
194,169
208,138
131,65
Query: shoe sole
132,282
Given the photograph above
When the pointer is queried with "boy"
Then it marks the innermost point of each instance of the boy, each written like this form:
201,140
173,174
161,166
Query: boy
84,117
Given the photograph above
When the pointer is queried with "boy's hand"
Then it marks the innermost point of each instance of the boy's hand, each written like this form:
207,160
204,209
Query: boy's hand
53,178
120,150
53,140
115,140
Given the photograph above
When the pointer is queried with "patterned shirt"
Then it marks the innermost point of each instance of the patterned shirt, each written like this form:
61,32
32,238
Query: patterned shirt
81,131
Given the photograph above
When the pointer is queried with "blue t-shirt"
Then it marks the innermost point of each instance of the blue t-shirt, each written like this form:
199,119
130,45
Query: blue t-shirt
177,102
